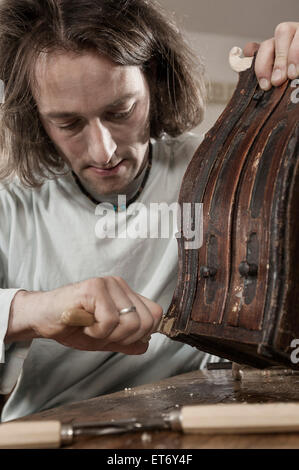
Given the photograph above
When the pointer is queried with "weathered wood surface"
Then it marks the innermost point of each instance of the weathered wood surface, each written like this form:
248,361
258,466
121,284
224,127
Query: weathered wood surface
237,296
199,387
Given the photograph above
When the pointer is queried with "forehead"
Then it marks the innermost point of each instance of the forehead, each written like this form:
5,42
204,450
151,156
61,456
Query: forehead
71,81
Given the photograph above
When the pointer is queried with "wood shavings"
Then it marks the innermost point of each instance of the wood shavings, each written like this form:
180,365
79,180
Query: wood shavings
146,437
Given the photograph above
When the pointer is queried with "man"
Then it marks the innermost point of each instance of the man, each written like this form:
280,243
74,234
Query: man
99,95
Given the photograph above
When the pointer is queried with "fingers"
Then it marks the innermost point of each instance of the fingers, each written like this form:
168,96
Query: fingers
147,314
105,311
103,298
126,329
284,37
81,341
278,58
293,57
132,349
264,63
156,311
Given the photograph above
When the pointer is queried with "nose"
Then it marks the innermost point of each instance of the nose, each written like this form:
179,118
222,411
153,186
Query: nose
101,146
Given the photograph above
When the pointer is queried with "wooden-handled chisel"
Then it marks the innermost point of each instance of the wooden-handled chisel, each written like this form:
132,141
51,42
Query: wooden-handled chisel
212,419
77,317
80,317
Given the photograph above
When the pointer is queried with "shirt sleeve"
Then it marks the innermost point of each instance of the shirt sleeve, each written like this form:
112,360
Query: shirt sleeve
6,297
13,355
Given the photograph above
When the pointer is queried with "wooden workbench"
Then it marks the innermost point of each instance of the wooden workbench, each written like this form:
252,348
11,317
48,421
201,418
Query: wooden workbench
199,387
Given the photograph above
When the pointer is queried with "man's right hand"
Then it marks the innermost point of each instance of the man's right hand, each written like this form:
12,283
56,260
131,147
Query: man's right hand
38,315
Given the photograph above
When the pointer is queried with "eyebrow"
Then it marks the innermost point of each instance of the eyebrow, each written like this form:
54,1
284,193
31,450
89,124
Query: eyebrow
64,114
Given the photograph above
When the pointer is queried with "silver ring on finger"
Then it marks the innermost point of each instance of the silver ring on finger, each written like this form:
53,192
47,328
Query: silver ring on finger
123,311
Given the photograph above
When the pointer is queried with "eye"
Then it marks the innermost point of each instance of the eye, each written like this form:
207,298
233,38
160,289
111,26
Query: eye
121,115
70,127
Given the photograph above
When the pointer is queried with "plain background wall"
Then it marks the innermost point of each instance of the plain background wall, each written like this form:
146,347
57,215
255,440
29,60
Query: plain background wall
213,27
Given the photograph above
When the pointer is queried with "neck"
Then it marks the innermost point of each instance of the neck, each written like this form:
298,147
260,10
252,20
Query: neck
131,192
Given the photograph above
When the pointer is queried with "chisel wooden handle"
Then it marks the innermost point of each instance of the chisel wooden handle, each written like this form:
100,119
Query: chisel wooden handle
240,418
77,317
30,435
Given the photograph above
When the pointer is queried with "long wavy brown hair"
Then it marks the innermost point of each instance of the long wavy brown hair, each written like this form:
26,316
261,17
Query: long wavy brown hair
129,32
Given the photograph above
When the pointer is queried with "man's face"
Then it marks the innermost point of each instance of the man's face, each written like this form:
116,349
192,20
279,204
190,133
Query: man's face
97,115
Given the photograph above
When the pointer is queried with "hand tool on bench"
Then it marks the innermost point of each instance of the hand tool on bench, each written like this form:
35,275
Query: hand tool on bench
204,419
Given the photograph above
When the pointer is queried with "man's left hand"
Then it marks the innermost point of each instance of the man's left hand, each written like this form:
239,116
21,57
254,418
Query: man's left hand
278,58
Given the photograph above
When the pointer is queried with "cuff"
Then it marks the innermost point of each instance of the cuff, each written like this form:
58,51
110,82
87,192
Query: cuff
14,354
6,297
11,370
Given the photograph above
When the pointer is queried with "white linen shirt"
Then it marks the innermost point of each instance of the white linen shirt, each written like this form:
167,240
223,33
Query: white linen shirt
48,239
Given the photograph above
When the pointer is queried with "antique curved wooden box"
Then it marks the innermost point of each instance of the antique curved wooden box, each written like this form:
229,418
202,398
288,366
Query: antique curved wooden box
238,295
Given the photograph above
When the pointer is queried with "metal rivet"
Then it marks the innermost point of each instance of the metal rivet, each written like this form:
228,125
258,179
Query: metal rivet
206,271
246,269
258,95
